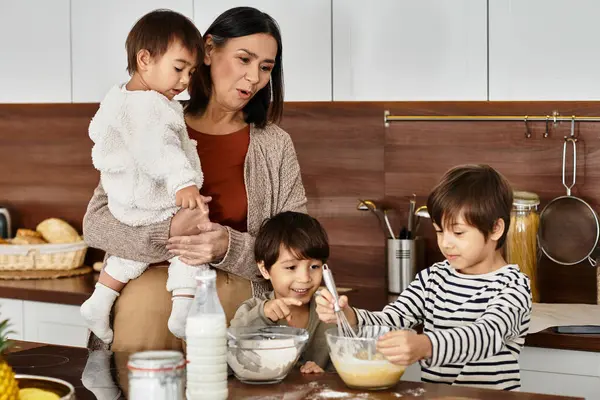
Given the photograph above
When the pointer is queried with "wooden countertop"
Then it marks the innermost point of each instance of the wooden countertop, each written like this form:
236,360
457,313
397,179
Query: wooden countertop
75,291
68,363
552,340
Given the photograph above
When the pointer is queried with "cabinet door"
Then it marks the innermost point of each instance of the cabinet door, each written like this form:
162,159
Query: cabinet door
13,311
306,36
99,32
54,324
390,50
560,372
544,50
35,51
412,373
586,387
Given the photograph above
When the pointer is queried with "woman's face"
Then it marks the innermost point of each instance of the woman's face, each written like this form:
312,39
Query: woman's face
240,68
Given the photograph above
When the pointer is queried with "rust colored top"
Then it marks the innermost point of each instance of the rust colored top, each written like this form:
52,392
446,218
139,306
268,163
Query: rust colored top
222,158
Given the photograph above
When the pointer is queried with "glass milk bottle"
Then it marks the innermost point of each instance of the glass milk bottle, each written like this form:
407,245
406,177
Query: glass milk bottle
206,342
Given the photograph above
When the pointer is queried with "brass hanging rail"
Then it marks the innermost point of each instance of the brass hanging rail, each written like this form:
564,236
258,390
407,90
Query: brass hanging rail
387,118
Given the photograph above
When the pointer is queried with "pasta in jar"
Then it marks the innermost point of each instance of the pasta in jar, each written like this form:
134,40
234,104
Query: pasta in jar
521,241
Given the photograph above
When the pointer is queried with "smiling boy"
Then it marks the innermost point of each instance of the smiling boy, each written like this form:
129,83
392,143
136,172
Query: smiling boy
475,308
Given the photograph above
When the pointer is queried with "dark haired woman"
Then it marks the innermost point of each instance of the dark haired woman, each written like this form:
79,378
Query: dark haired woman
250,171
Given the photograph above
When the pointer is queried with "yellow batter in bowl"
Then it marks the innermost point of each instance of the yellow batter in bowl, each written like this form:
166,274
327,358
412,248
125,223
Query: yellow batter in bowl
357,361
37,394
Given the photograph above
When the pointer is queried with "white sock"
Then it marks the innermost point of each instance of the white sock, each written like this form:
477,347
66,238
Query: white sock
97,378
96,311
179,312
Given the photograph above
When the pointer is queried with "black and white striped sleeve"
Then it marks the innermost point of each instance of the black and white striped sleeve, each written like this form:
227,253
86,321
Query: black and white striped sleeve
406,312
506,317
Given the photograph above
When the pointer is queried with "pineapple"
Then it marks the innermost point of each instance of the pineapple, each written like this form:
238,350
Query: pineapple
8,384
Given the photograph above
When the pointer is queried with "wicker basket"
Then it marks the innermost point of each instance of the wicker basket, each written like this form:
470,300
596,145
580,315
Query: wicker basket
42,256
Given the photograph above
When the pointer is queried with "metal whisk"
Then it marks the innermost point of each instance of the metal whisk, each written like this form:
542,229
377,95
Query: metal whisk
344,327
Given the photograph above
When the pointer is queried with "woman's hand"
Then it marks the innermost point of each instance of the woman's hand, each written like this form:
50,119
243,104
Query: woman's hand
207,246
186,221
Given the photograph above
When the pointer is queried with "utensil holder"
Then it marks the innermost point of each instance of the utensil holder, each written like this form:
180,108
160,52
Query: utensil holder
404,257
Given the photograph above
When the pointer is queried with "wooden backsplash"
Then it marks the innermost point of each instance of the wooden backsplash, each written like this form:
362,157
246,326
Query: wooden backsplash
345,153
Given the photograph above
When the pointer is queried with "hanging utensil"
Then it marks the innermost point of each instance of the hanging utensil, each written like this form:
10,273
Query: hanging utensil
569,230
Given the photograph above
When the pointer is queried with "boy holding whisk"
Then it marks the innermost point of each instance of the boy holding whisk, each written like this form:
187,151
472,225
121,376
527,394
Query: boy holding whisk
474,307
290,250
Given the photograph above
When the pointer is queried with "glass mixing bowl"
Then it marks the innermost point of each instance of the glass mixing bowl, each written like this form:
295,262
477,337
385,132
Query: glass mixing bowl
264,354
358,362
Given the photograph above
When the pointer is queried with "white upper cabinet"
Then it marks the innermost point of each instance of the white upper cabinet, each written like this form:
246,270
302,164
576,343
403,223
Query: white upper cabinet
99,30
544,50
402,50
306,34
35,54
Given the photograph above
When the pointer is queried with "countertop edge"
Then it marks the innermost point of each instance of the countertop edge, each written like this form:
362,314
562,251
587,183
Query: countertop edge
561,341
43,296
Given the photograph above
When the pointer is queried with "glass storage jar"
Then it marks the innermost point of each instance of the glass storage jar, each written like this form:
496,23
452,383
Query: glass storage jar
521,241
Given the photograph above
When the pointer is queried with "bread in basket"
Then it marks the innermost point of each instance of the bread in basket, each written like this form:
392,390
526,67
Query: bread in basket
54,245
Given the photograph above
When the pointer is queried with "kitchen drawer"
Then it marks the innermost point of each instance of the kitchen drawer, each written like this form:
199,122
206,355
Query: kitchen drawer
587,387
560,361
54,324
13,310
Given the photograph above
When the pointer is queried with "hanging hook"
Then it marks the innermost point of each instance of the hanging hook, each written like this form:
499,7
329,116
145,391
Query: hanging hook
527,133
546,134
573,141
573,126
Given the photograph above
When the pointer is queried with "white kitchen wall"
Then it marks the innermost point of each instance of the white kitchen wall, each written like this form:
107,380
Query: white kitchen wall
99,30
544,50
388,50
409,50
35,55
306,35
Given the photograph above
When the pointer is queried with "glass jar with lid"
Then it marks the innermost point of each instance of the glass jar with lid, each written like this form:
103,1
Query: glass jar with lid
156,375
521,240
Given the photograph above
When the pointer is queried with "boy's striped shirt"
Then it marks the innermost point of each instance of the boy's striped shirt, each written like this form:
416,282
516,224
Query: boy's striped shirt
476,323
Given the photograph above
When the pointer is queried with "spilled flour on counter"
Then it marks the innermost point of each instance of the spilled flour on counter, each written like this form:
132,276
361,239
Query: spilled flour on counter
332,394
418,392
321,391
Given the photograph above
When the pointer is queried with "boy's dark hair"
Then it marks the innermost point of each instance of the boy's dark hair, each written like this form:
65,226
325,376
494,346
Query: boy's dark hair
300,233
156,30
267,104
480,192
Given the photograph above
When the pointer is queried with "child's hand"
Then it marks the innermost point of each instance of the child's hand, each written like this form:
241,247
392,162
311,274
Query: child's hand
325,308
278,309
310,367
189,197
404,347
